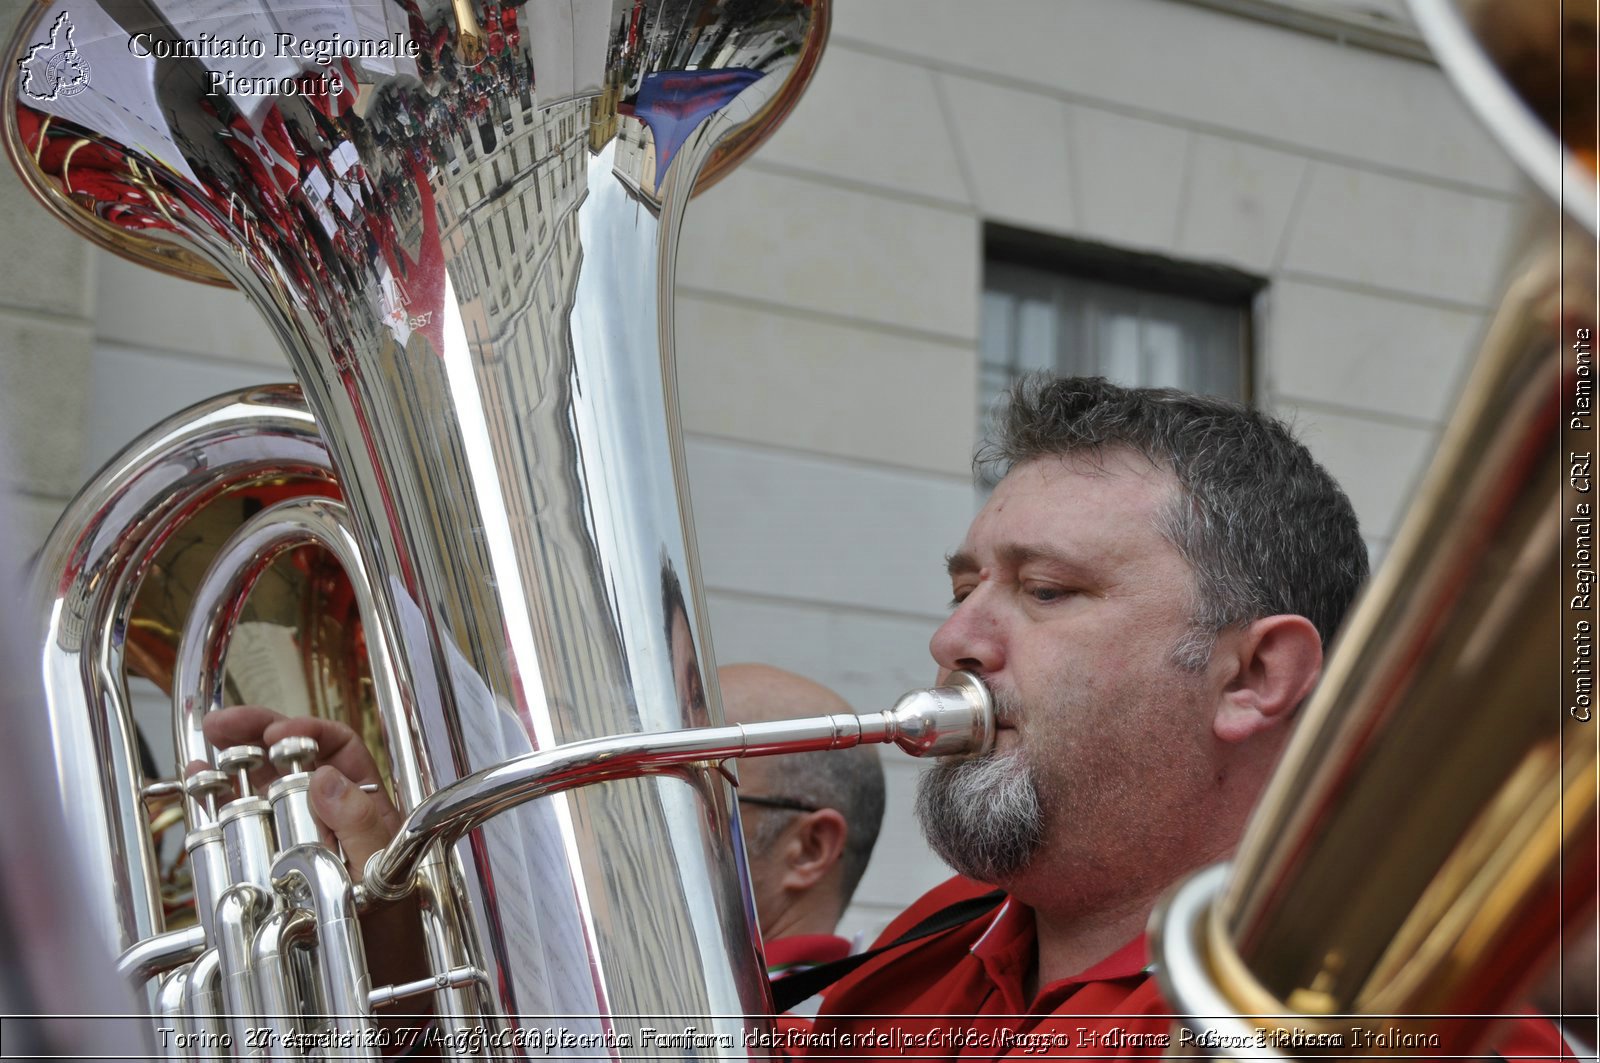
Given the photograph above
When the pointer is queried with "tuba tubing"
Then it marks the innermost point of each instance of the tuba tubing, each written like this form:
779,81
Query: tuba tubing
953,720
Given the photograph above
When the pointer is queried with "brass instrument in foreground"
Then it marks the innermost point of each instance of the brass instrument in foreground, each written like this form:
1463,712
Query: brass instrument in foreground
1431,831
460,219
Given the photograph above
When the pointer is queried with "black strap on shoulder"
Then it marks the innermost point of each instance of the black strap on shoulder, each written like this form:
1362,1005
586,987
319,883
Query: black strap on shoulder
792,989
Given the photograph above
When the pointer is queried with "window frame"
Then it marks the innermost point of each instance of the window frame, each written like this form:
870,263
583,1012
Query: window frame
1139,272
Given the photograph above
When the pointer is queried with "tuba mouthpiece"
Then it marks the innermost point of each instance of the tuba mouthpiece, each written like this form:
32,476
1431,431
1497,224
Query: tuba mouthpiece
946,721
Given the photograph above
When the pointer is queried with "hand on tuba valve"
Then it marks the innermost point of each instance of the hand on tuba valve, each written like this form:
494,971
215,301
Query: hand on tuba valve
347,792
353,815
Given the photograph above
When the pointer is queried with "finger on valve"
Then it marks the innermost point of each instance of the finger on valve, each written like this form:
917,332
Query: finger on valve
337,743
351,806
244,725
362,822
347,794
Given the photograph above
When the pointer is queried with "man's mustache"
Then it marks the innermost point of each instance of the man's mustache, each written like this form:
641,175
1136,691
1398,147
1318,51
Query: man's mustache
1008,710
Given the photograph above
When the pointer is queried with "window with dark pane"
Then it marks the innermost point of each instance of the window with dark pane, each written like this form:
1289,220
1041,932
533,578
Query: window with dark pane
1088,310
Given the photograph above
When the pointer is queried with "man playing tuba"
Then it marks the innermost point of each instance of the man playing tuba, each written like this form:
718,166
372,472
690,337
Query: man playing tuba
1147,593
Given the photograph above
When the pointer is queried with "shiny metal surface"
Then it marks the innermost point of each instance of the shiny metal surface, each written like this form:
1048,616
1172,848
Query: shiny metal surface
468,257
238,913
248,839
208,863
171,1007
1502,58
108,541
944,721
164,952
956,719
1179,932
202,1008
219,597
272,961
317,882
1430,832
291,811
239,761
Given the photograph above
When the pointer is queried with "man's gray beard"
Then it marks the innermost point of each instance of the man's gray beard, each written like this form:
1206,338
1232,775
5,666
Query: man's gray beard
982,814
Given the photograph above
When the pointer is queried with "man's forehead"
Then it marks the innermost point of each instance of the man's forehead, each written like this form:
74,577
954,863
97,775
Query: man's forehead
1069,505
1120,480
1112,463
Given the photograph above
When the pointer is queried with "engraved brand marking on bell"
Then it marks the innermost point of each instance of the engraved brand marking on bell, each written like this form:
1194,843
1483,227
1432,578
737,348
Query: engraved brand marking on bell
55,69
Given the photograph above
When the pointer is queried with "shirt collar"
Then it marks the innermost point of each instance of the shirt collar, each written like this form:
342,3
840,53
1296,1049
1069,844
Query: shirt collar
1006,949
1131,959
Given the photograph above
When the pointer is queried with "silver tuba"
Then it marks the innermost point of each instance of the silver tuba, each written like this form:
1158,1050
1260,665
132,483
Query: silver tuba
460,219
1432,831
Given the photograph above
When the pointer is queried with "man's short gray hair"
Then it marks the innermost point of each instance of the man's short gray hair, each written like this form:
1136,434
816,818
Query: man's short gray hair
848,780
1265,528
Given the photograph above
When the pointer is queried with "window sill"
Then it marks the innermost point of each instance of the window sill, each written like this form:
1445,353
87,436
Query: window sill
1359,29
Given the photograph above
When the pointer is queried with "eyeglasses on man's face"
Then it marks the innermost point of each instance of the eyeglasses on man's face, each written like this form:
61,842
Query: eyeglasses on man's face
787,803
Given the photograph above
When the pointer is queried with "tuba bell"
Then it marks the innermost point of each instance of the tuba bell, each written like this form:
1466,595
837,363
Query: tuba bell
1431,832
460,219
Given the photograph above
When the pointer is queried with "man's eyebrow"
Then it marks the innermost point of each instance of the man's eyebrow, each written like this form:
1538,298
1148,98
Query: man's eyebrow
960,563
1014,556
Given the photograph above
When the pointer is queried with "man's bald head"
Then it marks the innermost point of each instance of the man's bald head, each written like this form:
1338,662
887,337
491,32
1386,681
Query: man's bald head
760,693
847,780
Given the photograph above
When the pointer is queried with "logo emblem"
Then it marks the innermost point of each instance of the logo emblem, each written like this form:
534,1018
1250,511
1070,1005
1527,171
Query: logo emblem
54,70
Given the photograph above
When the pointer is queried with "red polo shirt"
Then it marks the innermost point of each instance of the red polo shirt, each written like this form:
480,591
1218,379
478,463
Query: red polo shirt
959,995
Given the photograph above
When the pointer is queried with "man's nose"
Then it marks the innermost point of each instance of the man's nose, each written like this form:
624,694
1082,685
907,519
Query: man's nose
970,639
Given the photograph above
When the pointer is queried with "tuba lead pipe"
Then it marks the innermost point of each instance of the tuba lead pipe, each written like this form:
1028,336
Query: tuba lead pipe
953,720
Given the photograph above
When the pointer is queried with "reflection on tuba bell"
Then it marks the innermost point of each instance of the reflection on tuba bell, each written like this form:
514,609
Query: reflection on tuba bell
460,219
1431,832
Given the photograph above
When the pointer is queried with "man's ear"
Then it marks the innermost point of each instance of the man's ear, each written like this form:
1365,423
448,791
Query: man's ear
814,848
1278,659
